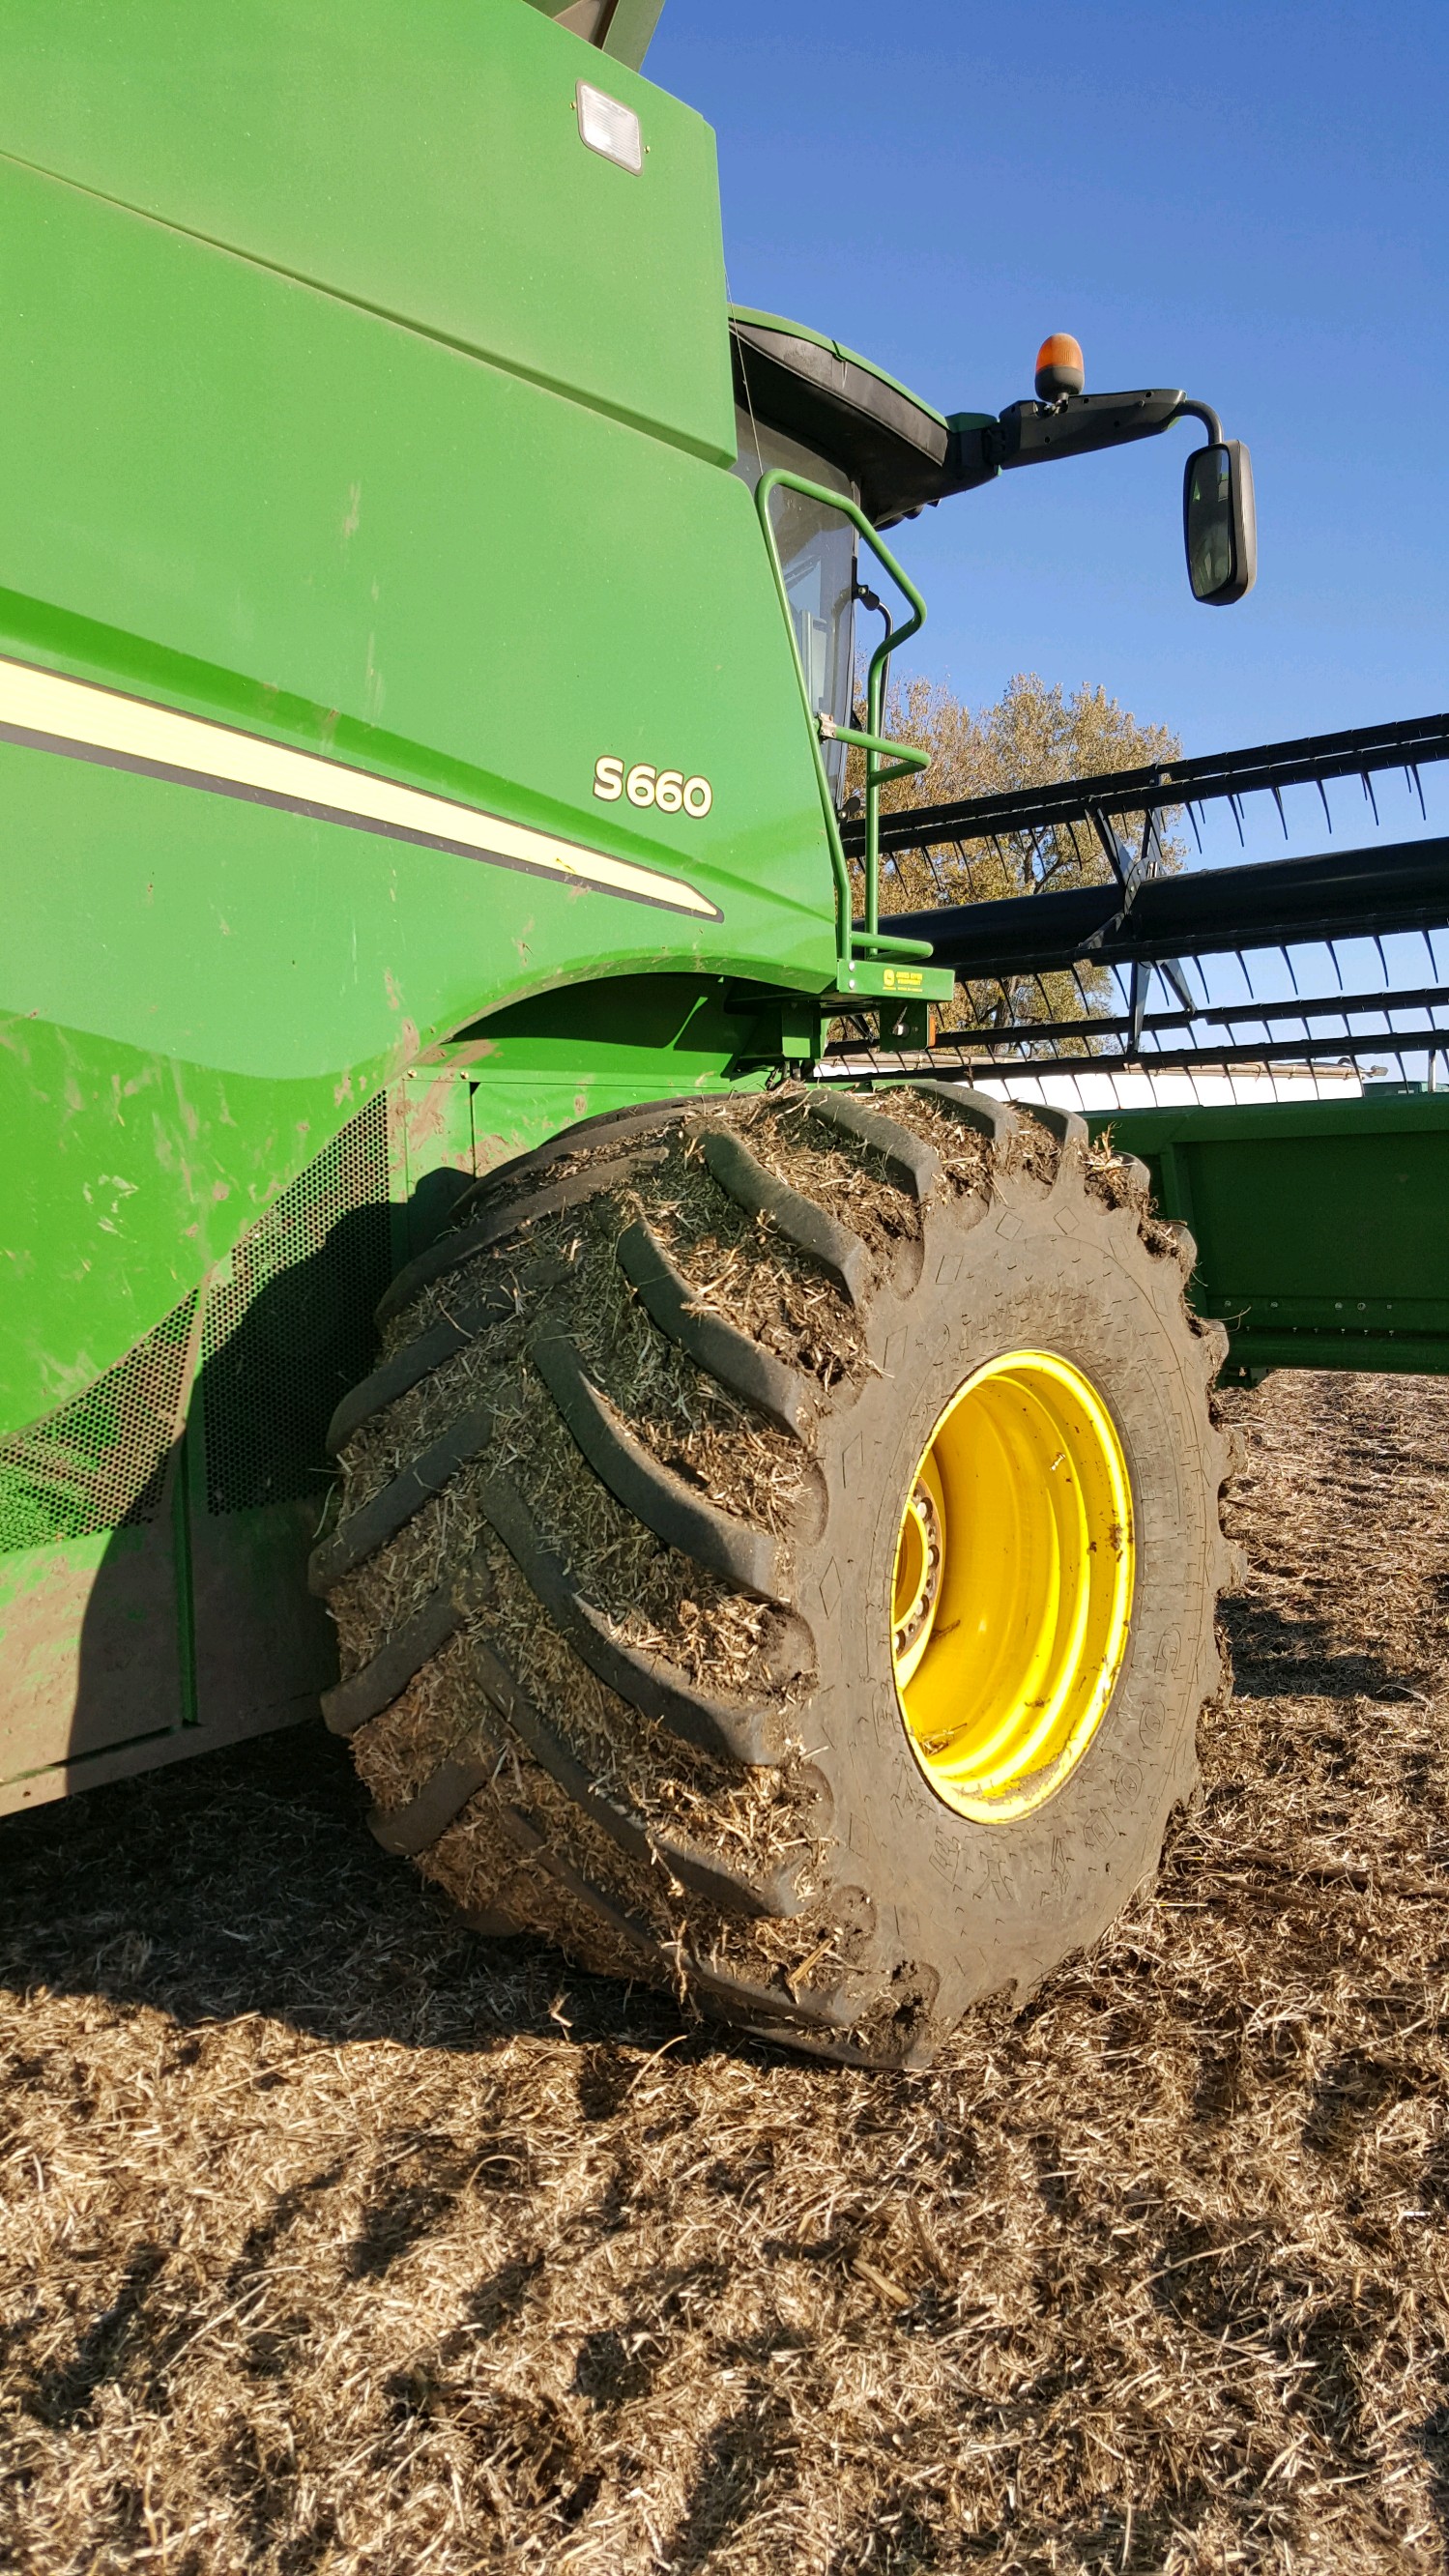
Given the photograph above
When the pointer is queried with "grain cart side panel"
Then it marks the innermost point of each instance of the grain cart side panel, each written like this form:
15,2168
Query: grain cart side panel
1322,1227
259,505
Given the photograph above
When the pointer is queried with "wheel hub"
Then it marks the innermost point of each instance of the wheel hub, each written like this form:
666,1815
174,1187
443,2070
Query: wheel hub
1014,1572
919,1560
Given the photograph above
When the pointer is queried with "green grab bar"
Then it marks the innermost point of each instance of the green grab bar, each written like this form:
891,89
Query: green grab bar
878,750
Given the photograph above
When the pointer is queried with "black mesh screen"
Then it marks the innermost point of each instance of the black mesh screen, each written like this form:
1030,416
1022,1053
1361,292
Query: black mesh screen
292,1329
99,1462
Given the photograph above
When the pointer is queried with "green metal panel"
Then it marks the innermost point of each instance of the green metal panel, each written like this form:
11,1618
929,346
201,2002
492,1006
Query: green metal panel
241,498
1322,1227
424,161
356,415
568,1055
93,1642
177,1617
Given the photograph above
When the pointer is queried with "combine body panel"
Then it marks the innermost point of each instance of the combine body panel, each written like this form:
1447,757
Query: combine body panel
320,501
359,412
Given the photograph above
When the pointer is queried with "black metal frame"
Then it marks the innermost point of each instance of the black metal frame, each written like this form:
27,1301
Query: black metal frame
1138,918
1268,768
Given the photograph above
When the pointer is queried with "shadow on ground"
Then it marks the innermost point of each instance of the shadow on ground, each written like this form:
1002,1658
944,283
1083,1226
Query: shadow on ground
333,2238
247,1882
1273,1655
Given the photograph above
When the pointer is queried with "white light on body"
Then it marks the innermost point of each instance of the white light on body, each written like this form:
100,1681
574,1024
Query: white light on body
608,127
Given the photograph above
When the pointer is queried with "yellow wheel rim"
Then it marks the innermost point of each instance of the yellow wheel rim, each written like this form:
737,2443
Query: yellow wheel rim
1014,1573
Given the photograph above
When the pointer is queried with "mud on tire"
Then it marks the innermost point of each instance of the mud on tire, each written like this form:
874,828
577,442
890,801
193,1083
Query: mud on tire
612,1559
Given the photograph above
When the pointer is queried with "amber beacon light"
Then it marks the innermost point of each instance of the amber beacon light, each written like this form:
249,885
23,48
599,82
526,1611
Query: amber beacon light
1059,367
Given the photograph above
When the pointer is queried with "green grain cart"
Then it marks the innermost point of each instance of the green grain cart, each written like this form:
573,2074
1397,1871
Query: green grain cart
776,1541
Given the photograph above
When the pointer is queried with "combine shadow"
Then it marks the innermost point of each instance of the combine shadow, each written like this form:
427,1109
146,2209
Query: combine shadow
191,1624
199,1463
218,1531
246,1882
1276,1658
242,1879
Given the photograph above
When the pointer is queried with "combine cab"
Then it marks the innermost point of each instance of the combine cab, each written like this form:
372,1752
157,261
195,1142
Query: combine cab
499,1241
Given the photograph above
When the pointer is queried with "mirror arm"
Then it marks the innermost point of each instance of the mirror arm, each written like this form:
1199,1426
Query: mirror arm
1030,433
1187,409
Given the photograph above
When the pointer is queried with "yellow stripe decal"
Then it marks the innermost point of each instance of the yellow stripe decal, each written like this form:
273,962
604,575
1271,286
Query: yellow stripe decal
72,716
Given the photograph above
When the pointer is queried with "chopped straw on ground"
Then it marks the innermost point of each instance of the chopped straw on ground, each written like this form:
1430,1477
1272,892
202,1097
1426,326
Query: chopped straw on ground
334,2238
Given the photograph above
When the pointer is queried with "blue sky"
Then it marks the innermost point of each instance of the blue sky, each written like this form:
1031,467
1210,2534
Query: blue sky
1250,201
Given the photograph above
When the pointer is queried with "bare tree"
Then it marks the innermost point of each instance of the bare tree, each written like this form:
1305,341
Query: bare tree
1033,736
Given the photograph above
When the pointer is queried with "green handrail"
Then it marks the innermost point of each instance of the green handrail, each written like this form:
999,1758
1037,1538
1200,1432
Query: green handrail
884,760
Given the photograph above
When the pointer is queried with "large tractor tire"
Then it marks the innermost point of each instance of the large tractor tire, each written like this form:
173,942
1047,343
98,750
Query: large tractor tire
777,1556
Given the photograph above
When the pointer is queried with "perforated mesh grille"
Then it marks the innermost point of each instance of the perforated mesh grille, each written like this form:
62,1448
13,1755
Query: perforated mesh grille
293,1329
99,1463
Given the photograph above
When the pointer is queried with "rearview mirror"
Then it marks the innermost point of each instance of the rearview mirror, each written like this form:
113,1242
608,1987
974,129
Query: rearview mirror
1220,524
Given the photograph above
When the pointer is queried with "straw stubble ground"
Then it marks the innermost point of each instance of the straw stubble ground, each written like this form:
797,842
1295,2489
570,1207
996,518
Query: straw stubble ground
334,2239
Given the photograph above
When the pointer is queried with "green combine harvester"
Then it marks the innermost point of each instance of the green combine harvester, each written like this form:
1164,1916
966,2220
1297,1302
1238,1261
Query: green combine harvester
772,1548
